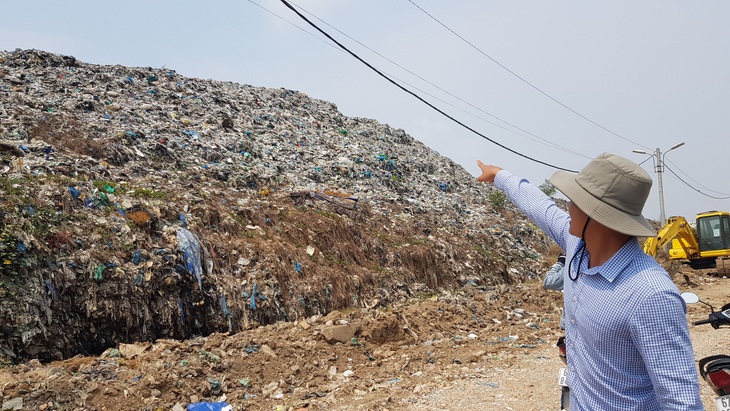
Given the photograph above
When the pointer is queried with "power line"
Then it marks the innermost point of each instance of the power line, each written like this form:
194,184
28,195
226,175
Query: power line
692,187
416,95
523,80
526,134
466,102
697,182
536,139
289,22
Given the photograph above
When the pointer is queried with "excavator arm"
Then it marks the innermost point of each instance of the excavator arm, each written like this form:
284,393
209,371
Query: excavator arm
676,228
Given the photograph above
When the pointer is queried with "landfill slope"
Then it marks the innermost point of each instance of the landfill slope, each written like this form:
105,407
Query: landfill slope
138,204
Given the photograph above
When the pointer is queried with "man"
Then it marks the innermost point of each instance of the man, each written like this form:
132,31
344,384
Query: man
553,280
627,337
554,277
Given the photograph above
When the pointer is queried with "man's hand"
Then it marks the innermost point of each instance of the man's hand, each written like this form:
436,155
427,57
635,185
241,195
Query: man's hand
488,172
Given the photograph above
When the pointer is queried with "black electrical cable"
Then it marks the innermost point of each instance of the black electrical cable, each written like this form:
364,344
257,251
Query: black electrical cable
526,134
523,80
417,96
647,159
695,181
287,21
693,187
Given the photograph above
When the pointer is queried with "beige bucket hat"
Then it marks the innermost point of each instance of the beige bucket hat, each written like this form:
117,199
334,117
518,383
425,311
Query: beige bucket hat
611,190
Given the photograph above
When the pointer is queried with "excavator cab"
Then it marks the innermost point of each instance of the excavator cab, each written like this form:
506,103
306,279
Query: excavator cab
713,233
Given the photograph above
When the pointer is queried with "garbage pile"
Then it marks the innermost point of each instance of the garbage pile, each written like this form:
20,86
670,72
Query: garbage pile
140,204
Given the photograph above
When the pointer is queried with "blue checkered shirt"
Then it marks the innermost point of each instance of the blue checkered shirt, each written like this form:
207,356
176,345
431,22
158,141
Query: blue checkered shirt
627,336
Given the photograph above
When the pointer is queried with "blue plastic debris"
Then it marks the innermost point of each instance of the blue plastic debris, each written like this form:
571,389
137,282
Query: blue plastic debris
215,386
189,244
210,406
255,293
298,267
138,258
224,306
74,192
52,290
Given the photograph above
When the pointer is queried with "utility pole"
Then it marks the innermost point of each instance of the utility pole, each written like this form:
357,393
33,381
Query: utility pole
659,168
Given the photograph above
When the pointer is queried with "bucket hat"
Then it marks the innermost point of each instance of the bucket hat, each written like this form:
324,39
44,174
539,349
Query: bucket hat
611,190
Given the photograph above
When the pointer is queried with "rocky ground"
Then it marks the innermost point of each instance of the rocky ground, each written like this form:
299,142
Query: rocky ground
473,349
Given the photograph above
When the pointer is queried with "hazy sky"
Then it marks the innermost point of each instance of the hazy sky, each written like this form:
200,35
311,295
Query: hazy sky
559,81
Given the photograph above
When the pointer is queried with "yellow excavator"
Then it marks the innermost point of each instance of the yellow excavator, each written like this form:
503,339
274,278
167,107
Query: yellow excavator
697,247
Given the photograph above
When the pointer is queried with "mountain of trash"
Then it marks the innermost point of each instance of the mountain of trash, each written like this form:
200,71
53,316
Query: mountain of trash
138,204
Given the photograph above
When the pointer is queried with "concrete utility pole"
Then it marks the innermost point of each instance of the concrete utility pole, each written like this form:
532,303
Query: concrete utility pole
659,168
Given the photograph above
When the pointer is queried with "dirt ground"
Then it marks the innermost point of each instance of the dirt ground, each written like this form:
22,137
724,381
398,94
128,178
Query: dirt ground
472,349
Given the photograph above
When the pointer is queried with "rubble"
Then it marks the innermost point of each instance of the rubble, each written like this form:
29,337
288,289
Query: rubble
139,204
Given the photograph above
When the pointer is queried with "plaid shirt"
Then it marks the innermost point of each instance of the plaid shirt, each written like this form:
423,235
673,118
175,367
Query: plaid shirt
627,336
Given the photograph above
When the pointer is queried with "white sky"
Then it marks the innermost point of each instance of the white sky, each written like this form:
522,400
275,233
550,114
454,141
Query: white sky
652,73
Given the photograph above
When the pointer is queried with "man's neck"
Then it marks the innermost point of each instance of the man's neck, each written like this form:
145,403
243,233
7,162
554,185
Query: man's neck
602,243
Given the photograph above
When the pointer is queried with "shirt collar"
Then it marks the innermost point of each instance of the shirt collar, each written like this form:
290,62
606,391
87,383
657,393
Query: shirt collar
615,265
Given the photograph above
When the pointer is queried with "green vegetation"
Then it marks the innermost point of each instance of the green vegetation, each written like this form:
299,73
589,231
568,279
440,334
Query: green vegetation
497,199
106,186
149,194
13,186
482,251
548,188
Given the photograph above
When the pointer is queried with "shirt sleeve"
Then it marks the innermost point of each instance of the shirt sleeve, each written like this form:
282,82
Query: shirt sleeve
659,329
554,278
536,205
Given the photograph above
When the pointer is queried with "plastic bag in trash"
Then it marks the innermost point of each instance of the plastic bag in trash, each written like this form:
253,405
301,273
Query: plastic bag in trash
210,406
190,246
